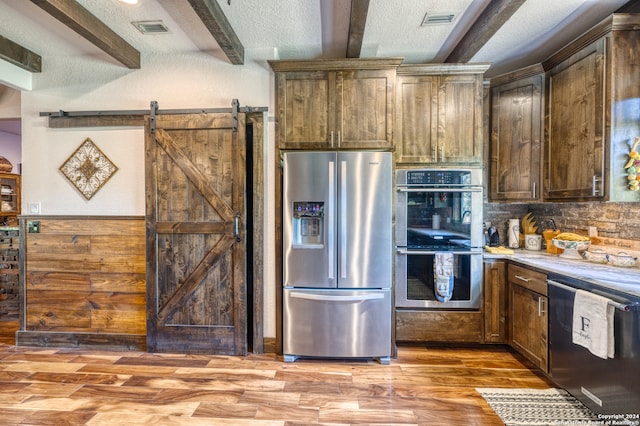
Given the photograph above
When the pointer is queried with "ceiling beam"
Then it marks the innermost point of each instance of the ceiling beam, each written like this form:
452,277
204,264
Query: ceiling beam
19,56
632,6
213,18
79,19
357,22
488,23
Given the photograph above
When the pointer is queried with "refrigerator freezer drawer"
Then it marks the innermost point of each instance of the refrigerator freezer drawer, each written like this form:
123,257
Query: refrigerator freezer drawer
337,324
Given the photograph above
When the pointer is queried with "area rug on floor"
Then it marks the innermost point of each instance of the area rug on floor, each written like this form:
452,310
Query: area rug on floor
523,407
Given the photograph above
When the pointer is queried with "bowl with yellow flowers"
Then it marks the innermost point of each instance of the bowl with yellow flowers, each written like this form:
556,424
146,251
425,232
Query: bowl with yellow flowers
632,167
571,244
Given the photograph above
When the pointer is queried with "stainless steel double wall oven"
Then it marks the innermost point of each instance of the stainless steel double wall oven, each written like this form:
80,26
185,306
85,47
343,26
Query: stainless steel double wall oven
438,211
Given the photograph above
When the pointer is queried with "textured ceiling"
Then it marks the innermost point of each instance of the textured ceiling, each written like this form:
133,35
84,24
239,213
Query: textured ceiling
315,29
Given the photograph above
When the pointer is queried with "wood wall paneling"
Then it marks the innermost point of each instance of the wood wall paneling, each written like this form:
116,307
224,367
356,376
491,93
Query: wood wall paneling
84,275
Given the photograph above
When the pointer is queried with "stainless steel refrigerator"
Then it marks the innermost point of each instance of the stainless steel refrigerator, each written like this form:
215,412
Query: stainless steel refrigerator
337,253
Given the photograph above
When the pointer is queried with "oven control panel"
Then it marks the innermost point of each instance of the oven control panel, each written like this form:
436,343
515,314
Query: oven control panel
438,177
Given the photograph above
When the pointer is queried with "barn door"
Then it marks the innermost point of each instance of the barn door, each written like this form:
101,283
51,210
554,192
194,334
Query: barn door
195,205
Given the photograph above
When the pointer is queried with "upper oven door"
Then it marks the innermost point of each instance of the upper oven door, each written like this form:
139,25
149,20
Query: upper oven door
439,217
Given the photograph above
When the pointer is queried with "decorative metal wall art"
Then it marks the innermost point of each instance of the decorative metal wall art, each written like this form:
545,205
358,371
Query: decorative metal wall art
88,169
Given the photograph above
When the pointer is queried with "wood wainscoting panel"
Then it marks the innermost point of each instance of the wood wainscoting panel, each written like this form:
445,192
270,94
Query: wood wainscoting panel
438,326
84,282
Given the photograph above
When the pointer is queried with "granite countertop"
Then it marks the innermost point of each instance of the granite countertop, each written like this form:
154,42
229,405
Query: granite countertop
626,280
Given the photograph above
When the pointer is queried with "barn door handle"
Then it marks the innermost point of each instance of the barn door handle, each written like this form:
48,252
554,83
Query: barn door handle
238,227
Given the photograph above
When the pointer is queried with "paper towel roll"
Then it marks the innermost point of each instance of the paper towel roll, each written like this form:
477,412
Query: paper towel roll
514,233
436,221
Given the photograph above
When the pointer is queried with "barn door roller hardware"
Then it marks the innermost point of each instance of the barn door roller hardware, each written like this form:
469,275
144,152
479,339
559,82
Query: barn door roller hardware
152,116
235,108
61,118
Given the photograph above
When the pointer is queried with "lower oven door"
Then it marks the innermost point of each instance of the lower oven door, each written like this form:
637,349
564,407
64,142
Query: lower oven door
415,279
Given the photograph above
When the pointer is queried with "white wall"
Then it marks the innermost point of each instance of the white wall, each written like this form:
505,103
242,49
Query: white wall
10,112
10,149
191,80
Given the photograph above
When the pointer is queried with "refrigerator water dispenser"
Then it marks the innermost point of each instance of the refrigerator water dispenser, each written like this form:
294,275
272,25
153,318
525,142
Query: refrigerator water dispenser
308,224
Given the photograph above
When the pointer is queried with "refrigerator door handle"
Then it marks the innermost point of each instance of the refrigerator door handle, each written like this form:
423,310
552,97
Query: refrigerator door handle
337,298
343,219
329,230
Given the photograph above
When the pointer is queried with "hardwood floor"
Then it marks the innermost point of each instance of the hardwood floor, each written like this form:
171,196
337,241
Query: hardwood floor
423,386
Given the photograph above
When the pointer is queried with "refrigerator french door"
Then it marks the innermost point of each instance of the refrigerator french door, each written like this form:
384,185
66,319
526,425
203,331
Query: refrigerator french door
337,254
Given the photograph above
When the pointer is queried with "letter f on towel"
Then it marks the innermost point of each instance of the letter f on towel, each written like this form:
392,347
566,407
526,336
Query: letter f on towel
593,324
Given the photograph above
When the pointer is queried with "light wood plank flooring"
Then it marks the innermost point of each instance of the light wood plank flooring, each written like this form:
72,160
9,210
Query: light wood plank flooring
423,386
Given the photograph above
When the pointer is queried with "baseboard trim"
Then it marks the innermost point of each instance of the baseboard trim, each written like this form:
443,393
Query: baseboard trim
269,345
118,342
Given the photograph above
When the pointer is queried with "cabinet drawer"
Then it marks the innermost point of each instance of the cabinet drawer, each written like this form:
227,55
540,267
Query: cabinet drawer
534,281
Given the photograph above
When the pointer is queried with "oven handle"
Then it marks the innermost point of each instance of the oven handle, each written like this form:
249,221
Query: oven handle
427,252
447,189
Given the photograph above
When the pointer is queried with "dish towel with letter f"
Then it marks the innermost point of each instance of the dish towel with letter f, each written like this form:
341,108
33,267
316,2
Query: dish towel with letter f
593,324
443,278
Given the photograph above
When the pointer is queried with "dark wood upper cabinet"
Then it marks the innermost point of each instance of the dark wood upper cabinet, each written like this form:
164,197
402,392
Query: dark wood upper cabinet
575,153
591,116
517,110
335,104
439,114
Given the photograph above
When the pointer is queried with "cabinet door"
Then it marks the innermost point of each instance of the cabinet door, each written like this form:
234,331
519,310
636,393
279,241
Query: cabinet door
305,109
516,140
460,119
416,119
495,302
529,324
364,108
574,161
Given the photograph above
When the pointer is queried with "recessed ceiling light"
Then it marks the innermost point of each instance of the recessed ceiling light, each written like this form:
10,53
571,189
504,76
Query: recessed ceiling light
129,1
150,27
438,18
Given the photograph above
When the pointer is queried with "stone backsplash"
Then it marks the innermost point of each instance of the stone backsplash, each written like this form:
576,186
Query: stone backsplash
612,220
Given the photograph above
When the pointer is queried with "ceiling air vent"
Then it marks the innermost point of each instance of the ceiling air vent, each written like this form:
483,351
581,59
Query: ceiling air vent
438,18
151,27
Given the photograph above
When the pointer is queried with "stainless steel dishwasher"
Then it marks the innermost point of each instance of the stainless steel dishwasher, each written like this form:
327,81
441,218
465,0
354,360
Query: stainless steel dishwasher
610,386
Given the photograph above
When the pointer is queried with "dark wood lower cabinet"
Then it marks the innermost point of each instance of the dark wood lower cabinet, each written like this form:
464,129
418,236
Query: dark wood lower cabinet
528,317
494,308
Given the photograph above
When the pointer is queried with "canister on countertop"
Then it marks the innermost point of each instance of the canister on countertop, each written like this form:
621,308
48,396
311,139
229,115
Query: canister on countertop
514,233
548,235
533,241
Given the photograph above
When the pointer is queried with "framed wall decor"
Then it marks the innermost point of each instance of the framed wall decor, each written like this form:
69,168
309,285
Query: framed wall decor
88,168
